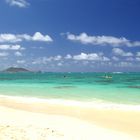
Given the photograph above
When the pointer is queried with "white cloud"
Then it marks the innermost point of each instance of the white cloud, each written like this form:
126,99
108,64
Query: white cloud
120,52
137,58
4,47
21,61
124,64
3,54
138,54
18,53
15,47
91,56
68,56
9,38
60,64
57,58
105,58
45,60
130,59
102,40
39,37
19,3
86,59
10,47
13,38
41,60
84,56
22,37
115,58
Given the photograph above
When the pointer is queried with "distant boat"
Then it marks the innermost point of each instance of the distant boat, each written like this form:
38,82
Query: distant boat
108,77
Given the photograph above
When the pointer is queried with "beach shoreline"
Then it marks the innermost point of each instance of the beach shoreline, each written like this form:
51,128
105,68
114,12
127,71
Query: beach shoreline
125,121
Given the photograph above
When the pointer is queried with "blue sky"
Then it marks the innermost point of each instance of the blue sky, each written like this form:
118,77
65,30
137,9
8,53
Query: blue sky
70,35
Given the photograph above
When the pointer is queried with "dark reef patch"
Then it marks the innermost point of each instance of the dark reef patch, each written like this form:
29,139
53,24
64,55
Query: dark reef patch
64,87
105,81
138,87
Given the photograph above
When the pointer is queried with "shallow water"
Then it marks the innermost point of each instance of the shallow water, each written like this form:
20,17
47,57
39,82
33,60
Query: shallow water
111,87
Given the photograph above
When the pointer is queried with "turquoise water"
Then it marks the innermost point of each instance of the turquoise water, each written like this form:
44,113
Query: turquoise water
117,88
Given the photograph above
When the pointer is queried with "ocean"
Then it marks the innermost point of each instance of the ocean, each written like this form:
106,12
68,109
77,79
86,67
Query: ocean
120,88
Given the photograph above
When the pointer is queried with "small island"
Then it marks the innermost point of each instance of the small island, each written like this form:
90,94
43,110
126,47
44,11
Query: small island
15,70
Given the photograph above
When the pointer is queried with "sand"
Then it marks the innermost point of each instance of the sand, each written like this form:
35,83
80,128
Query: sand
45,121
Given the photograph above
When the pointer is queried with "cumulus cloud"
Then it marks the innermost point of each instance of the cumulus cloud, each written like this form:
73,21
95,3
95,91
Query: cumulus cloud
83,59
91,56
115,58
138,54
84,56
13,38
41,60
59,64
9,38
10,47
18,53
102,40
3,54
39,37
57,58
21,61
124,64
120,52
80,57
130,59
137,58
18,3
45,60
68,56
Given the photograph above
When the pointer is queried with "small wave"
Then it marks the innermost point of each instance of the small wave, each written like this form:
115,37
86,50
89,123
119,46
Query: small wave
117,72
96,104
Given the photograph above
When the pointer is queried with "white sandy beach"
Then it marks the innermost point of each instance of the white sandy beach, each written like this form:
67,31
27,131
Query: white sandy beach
23,121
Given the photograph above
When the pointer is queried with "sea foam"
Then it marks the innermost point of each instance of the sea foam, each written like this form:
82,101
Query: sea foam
96,104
